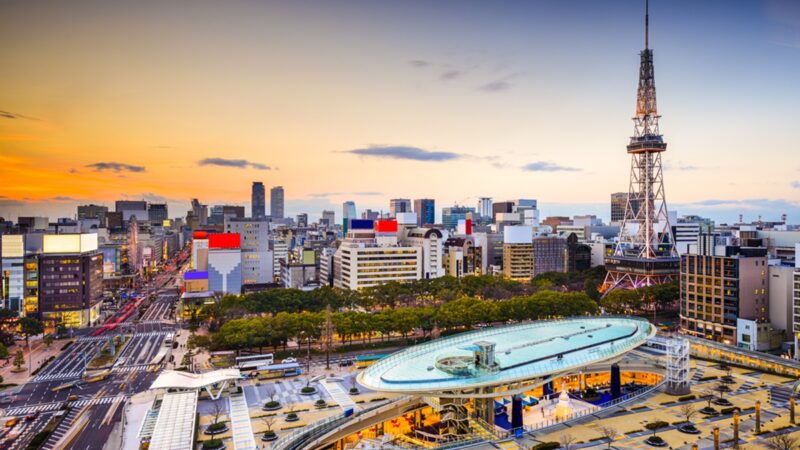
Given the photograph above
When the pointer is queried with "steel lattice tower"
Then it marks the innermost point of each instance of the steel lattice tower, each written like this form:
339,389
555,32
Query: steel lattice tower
645,254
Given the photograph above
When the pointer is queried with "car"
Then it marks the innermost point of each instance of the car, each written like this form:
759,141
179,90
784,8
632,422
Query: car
289,360
346,363
72,398
6,399
32,416
11,422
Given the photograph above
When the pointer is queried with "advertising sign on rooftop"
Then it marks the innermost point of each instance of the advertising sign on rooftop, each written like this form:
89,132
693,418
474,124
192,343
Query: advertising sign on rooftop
224,240
386,226
361,224
13,246
69,243
195,275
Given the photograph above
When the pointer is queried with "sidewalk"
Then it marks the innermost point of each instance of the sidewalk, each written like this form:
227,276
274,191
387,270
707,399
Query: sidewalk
40,354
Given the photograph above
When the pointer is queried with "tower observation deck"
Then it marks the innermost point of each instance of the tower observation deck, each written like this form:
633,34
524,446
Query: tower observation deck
645,253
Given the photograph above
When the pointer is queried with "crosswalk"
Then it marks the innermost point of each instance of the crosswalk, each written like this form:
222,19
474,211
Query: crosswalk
697,375
61,430
133,368
58,376
44,407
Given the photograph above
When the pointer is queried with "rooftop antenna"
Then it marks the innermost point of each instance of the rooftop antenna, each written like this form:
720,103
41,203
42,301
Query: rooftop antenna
646,24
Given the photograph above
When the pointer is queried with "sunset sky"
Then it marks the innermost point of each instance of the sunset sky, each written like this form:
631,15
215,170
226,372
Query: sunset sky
370,100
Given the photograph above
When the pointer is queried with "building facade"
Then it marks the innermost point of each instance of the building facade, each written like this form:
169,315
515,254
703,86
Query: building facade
258,201
426,211
276,197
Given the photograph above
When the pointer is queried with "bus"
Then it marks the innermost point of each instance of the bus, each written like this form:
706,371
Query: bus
252,362
363,361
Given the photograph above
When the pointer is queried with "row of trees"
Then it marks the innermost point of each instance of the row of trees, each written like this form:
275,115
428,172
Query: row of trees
276,330
420,293
661,297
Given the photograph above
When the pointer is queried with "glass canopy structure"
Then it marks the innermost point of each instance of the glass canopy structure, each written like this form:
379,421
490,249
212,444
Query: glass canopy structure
509,358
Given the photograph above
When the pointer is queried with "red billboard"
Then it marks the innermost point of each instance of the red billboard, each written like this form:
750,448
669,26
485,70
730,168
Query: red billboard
386,226
224,240
200,235
468,227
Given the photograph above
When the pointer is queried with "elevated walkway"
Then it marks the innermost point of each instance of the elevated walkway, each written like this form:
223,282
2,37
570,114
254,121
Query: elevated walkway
241,428
339,395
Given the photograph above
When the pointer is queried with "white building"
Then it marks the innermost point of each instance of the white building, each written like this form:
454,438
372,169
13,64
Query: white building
257,259
362,261
280,253
430,241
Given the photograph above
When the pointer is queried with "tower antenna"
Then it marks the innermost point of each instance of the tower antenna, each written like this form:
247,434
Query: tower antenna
646,24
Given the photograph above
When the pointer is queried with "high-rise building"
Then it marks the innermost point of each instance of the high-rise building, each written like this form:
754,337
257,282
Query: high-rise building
426,211
549,254
619,201
93,212
452,214
645,253
257,259
369,214
796,302
157,213
70,280
276,202
399,205
430,241
328,218
258,201
349,210
719,284
485,208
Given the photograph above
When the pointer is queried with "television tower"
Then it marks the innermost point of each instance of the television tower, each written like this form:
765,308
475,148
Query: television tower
645,253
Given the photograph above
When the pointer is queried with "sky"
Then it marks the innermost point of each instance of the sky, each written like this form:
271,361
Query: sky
372,100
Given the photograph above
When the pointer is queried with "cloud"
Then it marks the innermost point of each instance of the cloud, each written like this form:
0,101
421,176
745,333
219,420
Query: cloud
237,163
796,184
451,74
404,152
11,115
339,194
495,86
61,198
542,166
419,63
115,166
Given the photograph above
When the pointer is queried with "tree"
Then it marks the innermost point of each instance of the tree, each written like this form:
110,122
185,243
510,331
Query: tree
688,411
610,434
566,441
3,351
48,340
327,334
620,301
268,421
19,359
29,326
782,442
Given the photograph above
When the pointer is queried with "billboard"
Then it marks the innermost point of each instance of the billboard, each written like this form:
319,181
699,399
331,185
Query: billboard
361,224
13,246
224,240
69,243
195,275
386,226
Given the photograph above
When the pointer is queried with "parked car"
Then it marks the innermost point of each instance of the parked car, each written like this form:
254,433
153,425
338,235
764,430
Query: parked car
346,363
289,360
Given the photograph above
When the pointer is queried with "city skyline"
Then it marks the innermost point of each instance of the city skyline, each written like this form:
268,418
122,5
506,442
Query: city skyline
539,108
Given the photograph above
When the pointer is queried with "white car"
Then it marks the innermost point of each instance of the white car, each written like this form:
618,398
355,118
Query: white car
289,360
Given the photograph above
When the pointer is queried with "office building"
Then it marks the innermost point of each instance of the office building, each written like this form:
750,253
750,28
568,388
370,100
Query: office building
276,202
366,258
452,214
719,284
399,205
796,304
518,252
280,254
431,243
550,254
224,263
257,259
328,218
157,213
485,209
132,208
426,211
93,212
31,224
301,221
369,214
258,201
349,210
70,280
